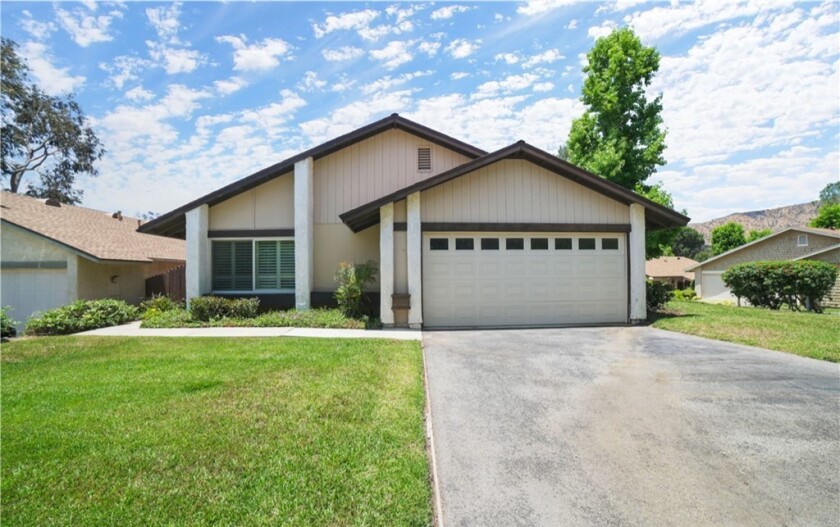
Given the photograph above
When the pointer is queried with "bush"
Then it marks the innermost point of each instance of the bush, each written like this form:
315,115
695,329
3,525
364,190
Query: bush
161,303
204,308
7,325
684,294
771,284
658,294
312,318
172,318
352,279
82,315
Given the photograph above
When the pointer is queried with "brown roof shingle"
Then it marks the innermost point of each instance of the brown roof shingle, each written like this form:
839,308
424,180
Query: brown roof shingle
669,266
92,232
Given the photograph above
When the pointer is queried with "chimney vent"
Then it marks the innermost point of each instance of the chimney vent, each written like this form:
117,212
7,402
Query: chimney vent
117,215
52,203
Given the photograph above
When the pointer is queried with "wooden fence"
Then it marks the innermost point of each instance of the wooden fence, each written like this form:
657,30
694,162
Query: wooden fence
172,283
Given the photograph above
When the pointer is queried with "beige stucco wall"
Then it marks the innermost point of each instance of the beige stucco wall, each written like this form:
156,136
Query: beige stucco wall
513,191
335,244
17,245
781,247
94,279
268,206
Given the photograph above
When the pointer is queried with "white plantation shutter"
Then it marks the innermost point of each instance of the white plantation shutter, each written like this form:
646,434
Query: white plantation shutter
287,264
276,264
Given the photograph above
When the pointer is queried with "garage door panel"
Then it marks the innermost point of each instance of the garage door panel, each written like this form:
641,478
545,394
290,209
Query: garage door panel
30,291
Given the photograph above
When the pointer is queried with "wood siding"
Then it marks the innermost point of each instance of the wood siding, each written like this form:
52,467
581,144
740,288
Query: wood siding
781,247
268,206
371,169
517,191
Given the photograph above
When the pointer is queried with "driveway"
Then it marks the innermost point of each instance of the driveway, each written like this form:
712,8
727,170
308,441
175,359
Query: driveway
630,426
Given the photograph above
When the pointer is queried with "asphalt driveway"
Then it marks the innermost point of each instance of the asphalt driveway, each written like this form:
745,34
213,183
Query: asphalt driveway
630,426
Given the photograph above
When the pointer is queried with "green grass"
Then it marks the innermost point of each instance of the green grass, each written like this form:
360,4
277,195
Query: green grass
807,334
145,431
312,318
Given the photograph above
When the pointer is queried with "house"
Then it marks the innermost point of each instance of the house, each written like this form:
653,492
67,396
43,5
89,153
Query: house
54,254
462,237
670,270
795,243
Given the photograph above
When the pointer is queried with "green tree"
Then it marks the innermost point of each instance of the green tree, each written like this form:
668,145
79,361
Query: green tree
42,134
758,234
563,152
828,217
620,135
658,243
727,236
688,242
831,193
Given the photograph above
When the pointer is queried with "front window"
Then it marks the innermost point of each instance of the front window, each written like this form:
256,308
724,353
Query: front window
246,265
802,240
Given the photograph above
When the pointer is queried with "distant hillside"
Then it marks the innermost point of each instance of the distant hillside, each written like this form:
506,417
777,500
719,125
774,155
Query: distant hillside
773,219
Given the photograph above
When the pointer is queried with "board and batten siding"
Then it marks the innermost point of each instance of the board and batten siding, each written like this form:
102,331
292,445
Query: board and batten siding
371,169
517,191
268,206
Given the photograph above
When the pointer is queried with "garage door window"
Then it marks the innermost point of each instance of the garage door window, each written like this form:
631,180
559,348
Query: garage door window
515,244
563,244
586,244
489,244
464,244
539,244
439,244
609,244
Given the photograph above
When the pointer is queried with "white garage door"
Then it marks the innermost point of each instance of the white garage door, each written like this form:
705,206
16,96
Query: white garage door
523,279
31,290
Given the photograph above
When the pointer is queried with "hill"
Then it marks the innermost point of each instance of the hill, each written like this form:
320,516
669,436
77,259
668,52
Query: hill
773,219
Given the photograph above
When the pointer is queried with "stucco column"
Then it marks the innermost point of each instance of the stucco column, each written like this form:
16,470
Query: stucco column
72,278
198,252
304,224
414,255
386,264
638,295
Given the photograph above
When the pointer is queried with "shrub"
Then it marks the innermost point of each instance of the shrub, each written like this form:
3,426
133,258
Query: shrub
172,318
352,279
204,308
685,294
771,284
658,294
161,303
7,325
82,315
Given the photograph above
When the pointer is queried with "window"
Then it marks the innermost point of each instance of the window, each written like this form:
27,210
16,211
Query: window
439,244
424,158
489,244
275,264
539,244
802,240
586,244
515,244
232,266
563,244
609,244
464,244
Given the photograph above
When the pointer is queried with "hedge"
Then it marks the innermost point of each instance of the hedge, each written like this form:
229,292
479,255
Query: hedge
771,284
206,308
82,315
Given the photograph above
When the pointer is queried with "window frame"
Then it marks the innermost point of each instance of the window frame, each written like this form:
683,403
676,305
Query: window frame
799,238
253,289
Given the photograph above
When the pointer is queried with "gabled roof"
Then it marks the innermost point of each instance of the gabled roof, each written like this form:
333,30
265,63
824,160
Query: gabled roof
92,233
172,223
807,230
669,266
657,216
821,251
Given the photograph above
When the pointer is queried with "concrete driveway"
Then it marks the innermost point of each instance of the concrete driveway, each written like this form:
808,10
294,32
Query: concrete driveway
630,426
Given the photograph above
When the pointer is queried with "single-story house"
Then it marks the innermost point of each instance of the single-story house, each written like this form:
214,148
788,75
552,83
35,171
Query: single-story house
670,270
462,237
54,254
795,243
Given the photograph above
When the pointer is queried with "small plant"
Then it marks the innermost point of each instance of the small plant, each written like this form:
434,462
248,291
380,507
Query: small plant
7,325
205,308
352,280
82,315
685,294
161,303
658,294
772,284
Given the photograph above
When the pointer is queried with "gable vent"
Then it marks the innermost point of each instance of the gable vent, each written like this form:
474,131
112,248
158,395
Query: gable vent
424,158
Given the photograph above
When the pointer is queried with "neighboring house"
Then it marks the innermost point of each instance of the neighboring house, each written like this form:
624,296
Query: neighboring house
796,243
670,270
54,254
462,237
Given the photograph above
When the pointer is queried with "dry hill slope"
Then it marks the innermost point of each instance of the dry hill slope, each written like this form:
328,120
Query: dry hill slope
773,219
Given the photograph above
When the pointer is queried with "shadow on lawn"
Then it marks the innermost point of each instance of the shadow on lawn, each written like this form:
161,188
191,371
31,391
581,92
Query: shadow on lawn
664,315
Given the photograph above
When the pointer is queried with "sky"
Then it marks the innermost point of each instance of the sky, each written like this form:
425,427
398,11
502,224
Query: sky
188,97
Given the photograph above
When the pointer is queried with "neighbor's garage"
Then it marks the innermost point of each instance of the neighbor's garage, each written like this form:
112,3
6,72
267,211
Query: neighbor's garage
29,291
524,279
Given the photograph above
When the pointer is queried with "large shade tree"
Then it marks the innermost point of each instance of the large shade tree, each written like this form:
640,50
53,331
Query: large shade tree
43,136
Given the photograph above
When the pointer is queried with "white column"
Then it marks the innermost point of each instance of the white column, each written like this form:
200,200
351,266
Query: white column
638,296
304,223
386,264
198,252
72,278
414,254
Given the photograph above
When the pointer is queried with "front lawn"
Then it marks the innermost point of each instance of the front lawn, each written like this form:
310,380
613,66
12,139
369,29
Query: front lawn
144,431
807,334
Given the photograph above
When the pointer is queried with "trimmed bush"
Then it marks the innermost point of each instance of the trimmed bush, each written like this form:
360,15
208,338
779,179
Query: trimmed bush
161,303
684,294
82,315
658,294
7,325
312,318
771,284
352,280
205,308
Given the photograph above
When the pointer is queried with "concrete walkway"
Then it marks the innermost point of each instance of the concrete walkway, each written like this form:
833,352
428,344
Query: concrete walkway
134,330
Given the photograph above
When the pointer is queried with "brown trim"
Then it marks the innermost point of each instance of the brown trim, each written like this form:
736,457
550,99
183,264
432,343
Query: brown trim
400,226
525,227
250,233
46,264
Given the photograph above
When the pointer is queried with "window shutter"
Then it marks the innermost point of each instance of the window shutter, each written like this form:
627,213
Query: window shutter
287,264
243,266
424,158
267,275
222,266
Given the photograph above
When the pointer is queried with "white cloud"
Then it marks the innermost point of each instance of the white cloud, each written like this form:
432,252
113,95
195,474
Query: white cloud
448,11
538,7
573,24
354,115
458,75
263,55
509,84
343,53
602,30
429,48
86,29
176,60
311,82
461,48
39,30
165,21
344,83
543,87
394,54
546,57
355,20
124,68
273,116
231,85
387,82
507,58
139,94
52,79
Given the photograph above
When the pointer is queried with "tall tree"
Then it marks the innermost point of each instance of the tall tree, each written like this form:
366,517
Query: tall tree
727,237
620,135
758,234
563,152
688,242
830,193
41,134
828,217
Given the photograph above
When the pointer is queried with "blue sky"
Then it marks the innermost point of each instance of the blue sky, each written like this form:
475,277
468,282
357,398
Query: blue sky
188,97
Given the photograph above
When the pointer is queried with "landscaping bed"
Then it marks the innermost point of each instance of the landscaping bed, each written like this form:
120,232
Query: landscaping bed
313,318
193,431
